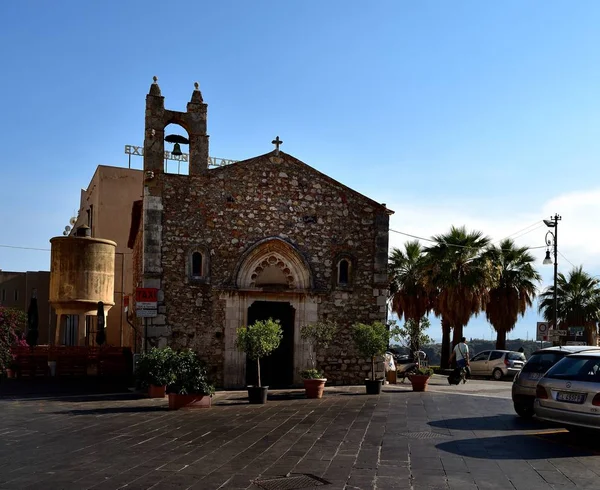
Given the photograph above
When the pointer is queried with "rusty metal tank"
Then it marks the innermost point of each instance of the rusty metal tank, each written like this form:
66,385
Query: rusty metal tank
82,273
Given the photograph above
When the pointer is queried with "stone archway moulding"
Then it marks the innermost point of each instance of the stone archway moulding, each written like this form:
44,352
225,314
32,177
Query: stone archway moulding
274,252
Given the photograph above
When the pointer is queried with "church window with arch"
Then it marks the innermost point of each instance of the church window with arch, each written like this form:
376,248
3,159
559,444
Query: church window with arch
344,272
198,265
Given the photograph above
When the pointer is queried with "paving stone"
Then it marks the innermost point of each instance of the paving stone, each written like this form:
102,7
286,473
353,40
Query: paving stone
361,440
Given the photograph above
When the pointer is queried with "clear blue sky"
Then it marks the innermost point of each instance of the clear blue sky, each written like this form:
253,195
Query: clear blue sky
478,113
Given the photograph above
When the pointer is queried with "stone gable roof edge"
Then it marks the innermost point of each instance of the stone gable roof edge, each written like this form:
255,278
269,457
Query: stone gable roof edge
261,158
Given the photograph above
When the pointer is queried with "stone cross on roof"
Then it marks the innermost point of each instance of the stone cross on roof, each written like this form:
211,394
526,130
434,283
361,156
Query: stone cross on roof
277,142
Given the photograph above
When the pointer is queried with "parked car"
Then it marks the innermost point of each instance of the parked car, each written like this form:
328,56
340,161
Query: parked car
523,388
497,363
569,393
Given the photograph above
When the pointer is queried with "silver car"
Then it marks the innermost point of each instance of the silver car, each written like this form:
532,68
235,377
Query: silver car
497,363
569,393
523,388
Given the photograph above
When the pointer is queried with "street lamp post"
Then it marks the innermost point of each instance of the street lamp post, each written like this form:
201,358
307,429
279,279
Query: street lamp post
552,240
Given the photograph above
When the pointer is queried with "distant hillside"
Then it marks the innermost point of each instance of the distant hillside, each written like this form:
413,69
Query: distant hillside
433,351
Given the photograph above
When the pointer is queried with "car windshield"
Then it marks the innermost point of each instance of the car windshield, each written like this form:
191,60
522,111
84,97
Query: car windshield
516,356
576,369
542,361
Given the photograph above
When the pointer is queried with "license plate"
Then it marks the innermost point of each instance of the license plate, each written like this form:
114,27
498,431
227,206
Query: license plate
570,397
535,375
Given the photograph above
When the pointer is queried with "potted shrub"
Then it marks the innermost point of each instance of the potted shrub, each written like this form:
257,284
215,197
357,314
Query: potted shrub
420,379
154,371
318,334
191,387
257,341
372,341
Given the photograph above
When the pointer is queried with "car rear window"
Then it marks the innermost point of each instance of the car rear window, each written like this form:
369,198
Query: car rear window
542,361
516,356
496,355
576,369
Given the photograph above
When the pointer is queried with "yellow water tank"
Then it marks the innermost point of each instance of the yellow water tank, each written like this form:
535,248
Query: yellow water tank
82,273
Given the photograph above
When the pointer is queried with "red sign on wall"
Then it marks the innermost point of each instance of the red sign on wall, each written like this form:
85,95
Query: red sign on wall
146,296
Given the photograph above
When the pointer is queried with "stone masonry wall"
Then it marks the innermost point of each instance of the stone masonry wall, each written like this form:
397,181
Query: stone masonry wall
224,212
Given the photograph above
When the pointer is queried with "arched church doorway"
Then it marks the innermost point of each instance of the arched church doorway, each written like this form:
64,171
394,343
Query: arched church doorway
276,370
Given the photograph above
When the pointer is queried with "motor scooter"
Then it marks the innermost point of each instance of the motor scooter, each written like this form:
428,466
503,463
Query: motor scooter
405,365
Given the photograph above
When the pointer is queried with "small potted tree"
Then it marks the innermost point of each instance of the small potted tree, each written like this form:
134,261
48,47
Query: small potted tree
191,387
318,334
372,341
154,371
257,341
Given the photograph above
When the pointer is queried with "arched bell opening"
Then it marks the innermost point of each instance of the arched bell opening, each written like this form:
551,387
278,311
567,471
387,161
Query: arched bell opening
177,158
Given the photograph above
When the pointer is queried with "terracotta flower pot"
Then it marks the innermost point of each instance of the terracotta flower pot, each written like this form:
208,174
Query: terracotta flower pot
189,401
156,391
10,373
419,381
314,387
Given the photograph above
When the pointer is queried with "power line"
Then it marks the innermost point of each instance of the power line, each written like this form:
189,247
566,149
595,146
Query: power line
449,244
517,232
25,248
48,250
527,232
566,258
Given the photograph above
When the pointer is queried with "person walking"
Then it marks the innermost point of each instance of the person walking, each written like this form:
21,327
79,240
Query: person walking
461,354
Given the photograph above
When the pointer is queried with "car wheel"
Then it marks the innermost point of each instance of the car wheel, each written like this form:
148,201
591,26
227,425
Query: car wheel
524,410
497,374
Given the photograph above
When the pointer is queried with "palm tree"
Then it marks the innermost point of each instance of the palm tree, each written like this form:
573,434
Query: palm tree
408,294
515,289
578,298
459,273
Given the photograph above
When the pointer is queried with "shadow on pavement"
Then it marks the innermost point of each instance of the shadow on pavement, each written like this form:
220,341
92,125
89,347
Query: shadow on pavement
520,446
496,422
112,410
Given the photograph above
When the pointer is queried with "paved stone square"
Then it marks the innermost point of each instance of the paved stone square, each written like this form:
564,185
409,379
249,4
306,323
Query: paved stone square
464,437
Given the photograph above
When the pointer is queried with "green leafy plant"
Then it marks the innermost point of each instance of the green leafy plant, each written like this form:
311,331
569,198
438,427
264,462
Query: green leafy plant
318,335
259,340
371,340
424,371
412,335
311,374
12,323
156,367
190,375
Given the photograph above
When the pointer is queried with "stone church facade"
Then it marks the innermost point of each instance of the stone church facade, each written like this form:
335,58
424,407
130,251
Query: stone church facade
265,237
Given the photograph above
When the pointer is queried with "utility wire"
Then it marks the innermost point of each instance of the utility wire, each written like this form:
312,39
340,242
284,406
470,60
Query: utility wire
393,231
527,232
48,250
448,244
566,258
517,232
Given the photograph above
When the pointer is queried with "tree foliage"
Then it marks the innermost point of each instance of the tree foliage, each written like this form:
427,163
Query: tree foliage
12,326
458,273
156,367
578,298
412,335
408,292
371,340
515,288
259,340
318,335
